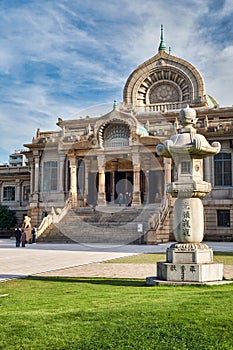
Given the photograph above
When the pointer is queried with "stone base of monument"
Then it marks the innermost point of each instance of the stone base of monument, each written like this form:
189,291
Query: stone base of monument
188,263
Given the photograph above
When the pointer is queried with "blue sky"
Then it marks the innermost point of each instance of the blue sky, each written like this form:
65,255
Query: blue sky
67,58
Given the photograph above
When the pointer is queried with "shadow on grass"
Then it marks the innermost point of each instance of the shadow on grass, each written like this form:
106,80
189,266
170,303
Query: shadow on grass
100,281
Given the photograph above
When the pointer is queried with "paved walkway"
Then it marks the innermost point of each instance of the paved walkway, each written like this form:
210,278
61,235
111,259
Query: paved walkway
82,260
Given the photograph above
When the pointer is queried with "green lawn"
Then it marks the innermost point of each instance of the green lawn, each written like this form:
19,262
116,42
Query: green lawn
104,314
225,258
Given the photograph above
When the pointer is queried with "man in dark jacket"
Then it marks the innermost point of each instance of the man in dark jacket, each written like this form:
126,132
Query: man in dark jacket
18,234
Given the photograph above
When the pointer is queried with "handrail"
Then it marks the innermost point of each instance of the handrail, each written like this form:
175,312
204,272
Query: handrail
158,218
53,218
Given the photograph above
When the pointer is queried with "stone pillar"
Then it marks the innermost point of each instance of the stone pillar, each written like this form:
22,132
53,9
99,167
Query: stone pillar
167,170
18,192
61,172
35,178
73,182
101,200
36,175
208,170
32,168
86,189
136,180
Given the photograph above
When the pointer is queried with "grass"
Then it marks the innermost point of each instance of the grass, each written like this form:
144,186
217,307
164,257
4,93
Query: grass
110,314
225,258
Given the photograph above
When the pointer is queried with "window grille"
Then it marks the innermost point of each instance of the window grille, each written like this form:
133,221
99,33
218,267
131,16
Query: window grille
223,218
223,169
50,176
9,193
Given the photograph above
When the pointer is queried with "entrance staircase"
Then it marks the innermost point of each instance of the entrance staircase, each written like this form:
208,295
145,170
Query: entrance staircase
109,224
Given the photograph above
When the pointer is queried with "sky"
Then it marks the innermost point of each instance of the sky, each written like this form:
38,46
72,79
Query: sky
71,58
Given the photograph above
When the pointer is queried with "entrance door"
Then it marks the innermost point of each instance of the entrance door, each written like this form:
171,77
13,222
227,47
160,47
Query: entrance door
117,182
123,183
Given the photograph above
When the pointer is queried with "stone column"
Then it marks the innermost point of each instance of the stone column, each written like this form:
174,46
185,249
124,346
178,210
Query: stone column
208,170
167,170
61,172
73,182
18,192
101,200
32,168
136,180
37,168
86,189
36,177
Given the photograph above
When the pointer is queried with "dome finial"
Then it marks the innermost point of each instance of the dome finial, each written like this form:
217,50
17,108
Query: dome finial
114,104
162,45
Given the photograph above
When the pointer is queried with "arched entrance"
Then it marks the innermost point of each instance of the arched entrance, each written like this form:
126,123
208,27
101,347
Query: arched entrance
118,178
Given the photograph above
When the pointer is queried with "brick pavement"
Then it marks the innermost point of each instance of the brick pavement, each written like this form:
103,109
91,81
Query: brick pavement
116,270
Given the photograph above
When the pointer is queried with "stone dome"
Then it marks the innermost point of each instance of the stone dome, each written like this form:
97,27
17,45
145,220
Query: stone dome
165,82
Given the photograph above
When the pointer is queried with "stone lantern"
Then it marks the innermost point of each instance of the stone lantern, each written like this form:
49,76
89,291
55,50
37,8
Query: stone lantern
188,260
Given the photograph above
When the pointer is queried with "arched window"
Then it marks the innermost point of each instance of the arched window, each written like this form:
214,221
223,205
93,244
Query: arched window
116,135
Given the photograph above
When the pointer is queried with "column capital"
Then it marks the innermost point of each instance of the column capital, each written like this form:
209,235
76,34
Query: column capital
136,167
73,162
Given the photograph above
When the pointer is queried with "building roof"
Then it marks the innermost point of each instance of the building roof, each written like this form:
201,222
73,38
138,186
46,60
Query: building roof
165,82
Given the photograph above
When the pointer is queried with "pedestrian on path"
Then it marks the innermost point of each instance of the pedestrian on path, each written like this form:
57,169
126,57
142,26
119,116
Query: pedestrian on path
23,238
120,199
127,199
34,230
18,234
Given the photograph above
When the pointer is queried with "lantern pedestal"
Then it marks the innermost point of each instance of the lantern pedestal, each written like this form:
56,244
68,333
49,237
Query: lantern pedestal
190,263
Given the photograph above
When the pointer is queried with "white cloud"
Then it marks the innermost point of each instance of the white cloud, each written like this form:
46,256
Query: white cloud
59,57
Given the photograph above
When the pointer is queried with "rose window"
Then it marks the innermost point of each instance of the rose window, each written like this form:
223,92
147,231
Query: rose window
164,93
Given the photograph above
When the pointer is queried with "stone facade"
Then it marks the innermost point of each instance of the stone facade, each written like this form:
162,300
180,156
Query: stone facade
90,161
15,189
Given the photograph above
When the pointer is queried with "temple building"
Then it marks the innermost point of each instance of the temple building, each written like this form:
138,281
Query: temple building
89,162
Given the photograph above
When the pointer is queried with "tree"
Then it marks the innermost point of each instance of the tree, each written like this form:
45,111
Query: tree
7,217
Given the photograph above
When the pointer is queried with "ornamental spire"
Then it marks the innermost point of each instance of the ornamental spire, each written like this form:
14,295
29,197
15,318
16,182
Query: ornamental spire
162,45
114,104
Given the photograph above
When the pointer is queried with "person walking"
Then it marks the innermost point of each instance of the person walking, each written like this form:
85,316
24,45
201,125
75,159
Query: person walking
34,230
18,234
23,238
120,199
127,199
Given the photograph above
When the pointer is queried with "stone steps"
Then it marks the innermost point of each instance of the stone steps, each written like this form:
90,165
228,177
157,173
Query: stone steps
112,225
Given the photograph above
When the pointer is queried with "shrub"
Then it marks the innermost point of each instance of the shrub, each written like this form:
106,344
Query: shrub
7,217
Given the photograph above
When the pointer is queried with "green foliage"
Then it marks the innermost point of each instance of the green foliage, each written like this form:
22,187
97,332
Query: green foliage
7,217
110,314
